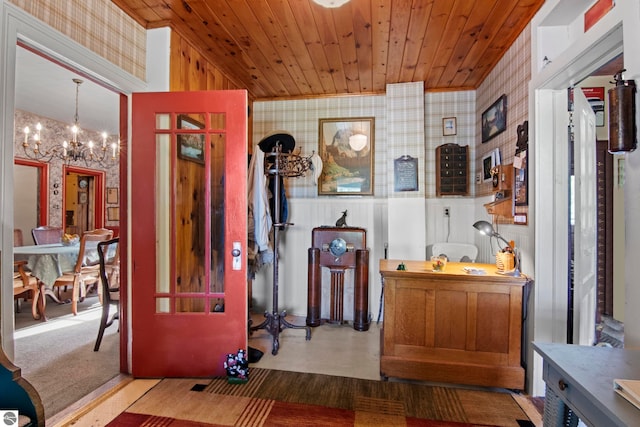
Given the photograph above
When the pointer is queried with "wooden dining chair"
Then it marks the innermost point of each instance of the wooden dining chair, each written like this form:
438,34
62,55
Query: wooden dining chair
109,287
87,268
46,234
18,237
28,287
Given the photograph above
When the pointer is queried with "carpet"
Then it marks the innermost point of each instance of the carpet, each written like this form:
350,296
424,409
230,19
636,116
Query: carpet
280,398
57,356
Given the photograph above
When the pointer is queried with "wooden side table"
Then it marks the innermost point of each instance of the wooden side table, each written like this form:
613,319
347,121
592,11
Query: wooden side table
339,249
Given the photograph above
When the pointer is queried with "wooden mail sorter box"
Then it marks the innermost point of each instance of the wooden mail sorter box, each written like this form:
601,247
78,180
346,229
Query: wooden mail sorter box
339,249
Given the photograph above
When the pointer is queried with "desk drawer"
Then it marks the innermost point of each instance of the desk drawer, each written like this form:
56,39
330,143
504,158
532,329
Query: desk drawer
575,397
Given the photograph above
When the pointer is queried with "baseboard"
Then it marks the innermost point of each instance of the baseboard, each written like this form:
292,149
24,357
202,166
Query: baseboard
90,401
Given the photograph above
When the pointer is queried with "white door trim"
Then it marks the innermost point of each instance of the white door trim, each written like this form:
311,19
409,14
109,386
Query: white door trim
550,168
17,25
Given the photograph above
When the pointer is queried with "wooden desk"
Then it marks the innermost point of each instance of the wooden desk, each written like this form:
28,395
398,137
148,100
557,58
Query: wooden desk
451,326
581,377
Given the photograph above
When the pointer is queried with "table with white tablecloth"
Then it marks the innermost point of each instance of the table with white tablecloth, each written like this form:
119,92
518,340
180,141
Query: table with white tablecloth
48,262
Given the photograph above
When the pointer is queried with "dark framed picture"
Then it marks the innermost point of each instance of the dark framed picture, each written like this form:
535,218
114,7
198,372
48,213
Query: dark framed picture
449,126
494,119
346,150
487,165
521,180
191,147
193,121
112,195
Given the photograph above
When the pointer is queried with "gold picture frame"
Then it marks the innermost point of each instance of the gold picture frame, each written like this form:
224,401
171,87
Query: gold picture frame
346,147
112,196
113,214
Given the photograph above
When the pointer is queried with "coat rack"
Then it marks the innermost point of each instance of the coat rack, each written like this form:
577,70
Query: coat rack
280,165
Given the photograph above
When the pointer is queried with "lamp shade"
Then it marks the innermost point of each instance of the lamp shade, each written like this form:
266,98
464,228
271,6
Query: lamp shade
485,228
330,3
358,141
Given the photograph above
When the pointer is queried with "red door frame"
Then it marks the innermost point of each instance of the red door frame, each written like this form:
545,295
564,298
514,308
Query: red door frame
43,193
99,190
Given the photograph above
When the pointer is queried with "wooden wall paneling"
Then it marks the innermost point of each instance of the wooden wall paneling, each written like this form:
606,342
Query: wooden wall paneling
175,62
195,22
310,39
189,228
270,62
347,41
331,45
197,70
437,24
381,25
274,36
413,46
457,22
293,38
473,53
400,16
295,48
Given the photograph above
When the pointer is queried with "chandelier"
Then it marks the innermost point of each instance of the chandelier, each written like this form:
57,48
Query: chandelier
103,154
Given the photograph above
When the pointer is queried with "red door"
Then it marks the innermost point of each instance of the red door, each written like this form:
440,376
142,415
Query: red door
188,214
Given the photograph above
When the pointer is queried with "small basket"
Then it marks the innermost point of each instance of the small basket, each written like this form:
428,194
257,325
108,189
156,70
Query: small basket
505,261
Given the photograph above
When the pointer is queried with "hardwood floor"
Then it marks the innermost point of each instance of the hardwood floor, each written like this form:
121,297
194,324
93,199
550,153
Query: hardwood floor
332,350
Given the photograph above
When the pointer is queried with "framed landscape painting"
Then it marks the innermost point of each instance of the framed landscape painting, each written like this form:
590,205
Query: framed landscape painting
494,119
346,149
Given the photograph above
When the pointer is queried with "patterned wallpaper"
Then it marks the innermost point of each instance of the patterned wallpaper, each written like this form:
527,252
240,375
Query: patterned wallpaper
439,105
405,133
98,25
510,77
300,118
56,132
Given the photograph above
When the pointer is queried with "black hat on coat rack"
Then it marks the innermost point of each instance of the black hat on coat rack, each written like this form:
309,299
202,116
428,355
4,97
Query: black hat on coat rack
278,137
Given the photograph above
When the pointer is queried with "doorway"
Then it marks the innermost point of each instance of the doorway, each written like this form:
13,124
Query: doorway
30,180
547,95
83,190
19,27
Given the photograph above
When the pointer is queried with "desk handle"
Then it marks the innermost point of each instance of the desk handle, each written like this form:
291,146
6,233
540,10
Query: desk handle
562,385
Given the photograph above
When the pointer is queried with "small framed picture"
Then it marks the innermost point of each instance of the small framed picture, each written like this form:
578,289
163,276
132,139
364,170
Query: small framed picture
191,147
449,126
112,196
487,165
113,214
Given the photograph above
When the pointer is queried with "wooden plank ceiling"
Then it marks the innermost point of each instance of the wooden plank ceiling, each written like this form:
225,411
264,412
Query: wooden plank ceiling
296,48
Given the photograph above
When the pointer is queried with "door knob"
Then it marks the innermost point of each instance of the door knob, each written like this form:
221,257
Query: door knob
235,253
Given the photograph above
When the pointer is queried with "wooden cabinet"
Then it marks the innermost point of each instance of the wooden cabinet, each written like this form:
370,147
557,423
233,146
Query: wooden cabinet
452,170
451,326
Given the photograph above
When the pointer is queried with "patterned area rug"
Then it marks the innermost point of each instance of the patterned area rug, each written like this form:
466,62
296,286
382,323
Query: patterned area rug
279,398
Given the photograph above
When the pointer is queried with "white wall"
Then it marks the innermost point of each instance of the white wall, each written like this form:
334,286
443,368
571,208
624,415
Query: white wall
557,34
417,214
